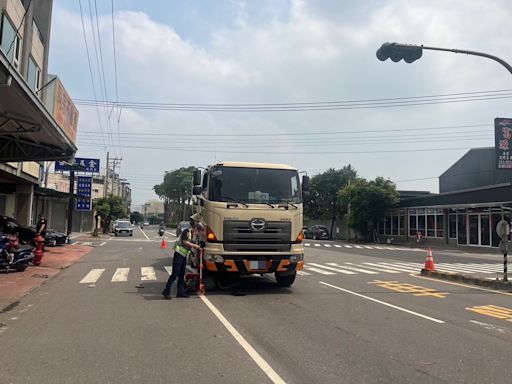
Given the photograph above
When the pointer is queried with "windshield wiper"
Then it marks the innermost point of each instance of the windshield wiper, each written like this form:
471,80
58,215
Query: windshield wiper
287,206
235,201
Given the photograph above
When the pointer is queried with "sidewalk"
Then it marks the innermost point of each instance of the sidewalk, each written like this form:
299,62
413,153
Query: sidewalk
15,285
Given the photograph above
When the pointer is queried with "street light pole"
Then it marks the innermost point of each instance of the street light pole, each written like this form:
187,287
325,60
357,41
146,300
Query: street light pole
410,53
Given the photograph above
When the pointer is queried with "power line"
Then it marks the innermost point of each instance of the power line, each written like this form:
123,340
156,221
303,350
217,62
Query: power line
310,133
206,150
115,75
90,69
313,106
101,70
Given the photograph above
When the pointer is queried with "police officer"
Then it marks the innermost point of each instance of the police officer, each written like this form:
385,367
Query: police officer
182,251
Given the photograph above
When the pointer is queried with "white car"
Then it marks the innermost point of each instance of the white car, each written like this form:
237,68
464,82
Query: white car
123,227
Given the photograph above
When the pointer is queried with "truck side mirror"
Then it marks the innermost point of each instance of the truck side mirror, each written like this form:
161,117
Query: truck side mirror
305,183
196,190
196,177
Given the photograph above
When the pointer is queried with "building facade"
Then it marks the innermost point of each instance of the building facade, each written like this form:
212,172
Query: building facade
474,196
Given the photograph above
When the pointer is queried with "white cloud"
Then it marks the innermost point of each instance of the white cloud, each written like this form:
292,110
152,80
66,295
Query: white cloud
320,51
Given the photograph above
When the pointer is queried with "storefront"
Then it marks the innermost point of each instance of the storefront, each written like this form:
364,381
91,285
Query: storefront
474,197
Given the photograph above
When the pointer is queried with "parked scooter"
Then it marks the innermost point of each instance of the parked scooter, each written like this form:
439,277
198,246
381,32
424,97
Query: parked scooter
13,255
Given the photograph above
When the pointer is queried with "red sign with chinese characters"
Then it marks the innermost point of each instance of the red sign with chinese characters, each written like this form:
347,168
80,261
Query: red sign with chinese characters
503,143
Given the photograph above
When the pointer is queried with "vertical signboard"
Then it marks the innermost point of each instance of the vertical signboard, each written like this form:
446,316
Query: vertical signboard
503,143
84,193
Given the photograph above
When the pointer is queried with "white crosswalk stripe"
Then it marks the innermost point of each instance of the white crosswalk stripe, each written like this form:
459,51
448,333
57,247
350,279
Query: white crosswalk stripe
337,245
344,271
318,270
347,246
367,247
93,276
381,269
121,274
368,272
307,244
303,273
147,273
168,268
317,245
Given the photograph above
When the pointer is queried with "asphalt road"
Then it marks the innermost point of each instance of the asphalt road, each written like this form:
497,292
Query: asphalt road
356,315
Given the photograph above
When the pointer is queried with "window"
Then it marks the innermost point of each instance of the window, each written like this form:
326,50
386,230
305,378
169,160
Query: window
395,220
431,225
413,223
10,41
402,223
380,227
388,226
452,226
34,75
439,226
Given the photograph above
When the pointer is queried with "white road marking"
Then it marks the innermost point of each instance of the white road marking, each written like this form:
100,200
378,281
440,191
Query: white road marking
307,244
327,245
317,245
86,243
92,276
264,366
378,247
358,246
147,273
384,303
121,274
144,233
170,233
111,237
337,245
321,271
367,247
393,266
355,269
303,273
381,269
168,268
347,246
333,269
102,244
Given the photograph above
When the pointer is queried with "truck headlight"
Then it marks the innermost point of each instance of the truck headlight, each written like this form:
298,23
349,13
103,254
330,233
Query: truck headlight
215,258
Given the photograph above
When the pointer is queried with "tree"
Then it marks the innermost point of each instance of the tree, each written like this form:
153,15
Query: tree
176,192
109,208
324,193
370,202
136,217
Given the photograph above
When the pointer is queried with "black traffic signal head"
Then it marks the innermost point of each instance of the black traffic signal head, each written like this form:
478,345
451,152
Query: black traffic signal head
397,52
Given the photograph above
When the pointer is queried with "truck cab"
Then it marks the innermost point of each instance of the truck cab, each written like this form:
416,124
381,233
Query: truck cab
253,214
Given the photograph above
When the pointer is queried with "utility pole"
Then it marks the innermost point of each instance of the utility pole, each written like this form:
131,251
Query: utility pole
71,201
105,187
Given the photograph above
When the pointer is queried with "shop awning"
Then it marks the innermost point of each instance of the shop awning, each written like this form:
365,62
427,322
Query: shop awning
28,132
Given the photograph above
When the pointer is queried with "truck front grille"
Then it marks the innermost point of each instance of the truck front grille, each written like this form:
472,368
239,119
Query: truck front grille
239,236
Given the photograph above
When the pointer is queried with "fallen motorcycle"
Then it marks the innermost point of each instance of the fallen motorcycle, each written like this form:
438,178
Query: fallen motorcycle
13,255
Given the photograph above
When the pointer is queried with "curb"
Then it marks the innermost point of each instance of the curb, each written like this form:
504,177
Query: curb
495,284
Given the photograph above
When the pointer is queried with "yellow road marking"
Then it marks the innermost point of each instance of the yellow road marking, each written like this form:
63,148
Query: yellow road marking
460,284
416,290
493,311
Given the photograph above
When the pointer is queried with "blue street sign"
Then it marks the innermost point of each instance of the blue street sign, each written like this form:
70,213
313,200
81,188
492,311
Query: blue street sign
79,164
84,186
84,193
83,203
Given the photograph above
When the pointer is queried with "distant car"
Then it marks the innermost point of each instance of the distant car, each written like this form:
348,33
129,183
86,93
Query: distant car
123,227
319,232
10,226
181,226
146,223
307,233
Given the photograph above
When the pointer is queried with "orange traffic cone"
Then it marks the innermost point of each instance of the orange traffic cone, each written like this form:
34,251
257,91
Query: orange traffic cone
429,261
164,243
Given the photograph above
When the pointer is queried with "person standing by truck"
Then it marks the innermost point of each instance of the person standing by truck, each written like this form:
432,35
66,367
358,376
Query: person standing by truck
182,251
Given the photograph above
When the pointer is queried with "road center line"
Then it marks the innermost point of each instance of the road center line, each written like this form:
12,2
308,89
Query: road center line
384,303
144,233
265,367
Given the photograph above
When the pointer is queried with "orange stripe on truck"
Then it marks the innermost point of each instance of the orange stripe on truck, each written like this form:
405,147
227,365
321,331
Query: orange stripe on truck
231,266
283,265
210,265
300,266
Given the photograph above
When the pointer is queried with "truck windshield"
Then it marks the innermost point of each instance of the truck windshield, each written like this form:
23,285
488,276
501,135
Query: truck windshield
123,224
254,185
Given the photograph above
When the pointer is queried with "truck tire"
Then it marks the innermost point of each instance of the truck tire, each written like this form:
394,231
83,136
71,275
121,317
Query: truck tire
285,280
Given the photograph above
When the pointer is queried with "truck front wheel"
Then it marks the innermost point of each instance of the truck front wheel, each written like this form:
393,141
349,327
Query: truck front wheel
285,279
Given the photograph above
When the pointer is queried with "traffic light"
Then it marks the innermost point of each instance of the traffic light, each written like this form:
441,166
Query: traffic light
397,52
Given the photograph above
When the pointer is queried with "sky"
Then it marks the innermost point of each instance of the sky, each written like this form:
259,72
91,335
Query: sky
233,53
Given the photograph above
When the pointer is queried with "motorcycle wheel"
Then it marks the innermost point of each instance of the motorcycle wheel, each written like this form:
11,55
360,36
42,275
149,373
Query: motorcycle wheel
21,267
